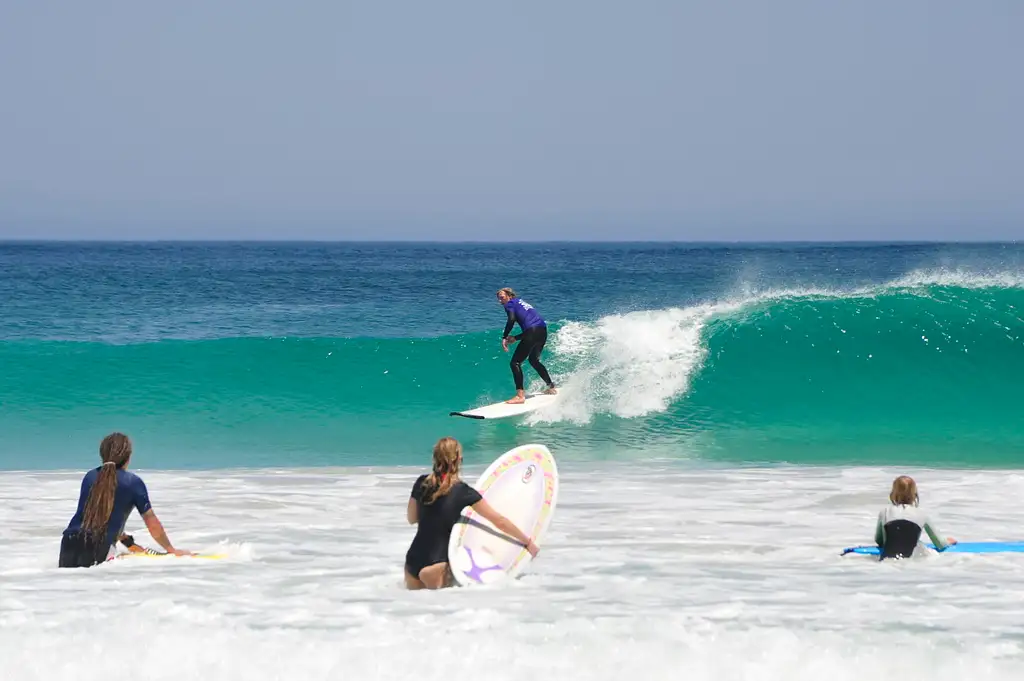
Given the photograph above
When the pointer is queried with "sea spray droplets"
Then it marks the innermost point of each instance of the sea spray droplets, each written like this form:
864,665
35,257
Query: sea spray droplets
628,365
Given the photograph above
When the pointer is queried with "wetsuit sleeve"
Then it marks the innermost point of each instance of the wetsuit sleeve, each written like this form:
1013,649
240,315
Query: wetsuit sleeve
880,529
417,488
933,534
469,496
140,496
510,323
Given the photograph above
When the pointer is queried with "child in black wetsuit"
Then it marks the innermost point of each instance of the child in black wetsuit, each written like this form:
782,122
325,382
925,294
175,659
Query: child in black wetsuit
436,503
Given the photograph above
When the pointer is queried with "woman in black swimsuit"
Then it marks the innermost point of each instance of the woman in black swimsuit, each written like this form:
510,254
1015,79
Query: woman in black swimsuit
436,503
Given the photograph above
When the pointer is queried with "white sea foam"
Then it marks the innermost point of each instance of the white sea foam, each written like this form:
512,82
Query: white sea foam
961,277
637,363
656,572
628,365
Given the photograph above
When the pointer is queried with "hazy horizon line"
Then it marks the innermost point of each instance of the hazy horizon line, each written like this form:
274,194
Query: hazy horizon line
702,242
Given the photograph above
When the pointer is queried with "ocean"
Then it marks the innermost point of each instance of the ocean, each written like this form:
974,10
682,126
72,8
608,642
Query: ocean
255,355
732,417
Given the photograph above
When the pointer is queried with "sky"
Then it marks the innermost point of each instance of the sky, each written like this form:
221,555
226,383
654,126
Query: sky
596,120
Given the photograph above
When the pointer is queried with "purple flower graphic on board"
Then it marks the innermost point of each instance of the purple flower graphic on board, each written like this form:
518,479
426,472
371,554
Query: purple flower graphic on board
476,572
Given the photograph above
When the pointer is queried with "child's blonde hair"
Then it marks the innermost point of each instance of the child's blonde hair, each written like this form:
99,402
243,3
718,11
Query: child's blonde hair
904,491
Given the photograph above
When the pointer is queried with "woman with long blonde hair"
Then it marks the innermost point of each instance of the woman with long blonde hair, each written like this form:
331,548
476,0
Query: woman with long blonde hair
107,497
899,525
436,503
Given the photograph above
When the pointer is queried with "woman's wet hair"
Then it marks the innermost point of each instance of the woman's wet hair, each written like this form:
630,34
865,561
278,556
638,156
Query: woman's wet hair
904,491
115,449
508,292
445,473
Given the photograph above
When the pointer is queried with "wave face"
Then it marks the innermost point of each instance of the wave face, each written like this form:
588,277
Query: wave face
926,369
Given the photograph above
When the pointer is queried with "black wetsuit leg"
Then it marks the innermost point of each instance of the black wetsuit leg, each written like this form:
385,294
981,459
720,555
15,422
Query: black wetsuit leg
531,343
518,355
535,350
79,549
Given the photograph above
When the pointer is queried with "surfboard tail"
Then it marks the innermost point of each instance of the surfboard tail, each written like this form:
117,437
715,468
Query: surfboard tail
464,415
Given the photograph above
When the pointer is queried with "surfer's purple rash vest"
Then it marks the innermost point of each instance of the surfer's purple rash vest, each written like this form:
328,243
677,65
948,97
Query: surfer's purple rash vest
521,312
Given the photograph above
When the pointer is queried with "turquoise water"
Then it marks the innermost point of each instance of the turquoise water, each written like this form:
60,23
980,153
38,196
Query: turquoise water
227,355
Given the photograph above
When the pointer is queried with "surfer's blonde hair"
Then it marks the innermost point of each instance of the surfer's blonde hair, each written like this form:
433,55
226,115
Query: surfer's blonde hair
447,463
904,491
508,291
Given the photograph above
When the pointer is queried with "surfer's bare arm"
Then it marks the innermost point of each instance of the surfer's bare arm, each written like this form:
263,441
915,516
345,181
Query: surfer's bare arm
156,530
412,512
505,525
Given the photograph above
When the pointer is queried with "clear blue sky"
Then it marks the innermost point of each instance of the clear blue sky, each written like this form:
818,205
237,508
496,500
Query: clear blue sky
529,120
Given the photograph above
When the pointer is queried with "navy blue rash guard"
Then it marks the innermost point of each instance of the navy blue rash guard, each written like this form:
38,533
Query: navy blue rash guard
131,493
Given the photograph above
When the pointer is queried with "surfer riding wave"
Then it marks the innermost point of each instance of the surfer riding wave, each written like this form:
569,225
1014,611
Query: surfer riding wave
532,337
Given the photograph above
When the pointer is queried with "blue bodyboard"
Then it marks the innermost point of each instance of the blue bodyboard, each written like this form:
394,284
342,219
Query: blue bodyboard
962,547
